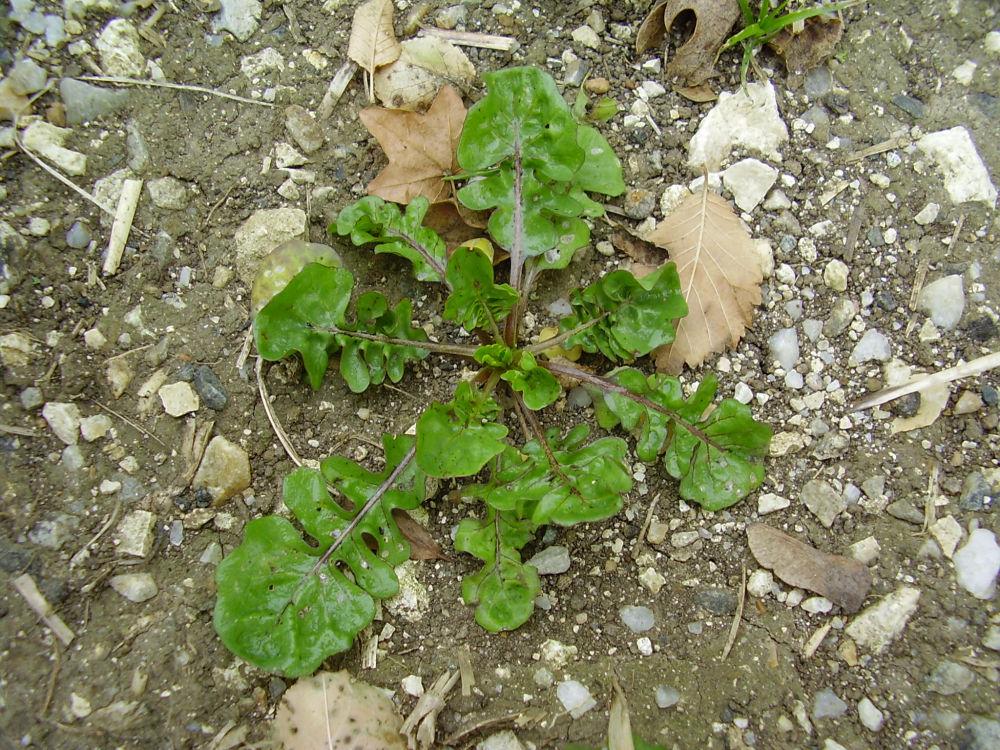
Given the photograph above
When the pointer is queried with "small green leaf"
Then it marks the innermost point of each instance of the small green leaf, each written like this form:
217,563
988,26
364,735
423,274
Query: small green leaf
458,438
604,109
475,300
573,234
630,316
505,589
500,356
580,105
577,483
538,386
373,220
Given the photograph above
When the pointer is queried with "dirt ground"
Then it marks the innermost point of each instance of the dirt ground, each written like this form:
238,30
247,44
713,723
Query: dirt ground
153,674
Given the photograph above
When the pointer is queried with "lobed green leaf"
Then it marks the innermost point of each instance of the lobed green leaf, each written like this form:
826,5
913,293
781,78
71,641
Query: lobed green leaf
458,438
475,300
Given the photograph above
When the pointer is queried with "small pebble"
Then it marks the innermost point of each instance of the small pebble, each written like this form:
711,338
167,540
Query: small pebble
637,619
667,696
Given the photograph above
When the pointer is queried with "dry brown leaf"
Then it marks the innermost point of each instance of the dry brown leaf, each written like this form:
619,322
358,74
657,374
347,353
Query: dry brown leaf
811,46
720,277
699,94
422,544
334,711
456,224
373,40
619,723
424,66
421,148
694,61
842,580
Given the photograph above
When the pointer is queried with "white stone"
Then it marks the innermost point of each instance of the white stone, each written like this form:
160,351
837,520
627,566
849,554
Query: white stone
817,605
135,533
747,118
413,685
267,59
46,140
977,564
586,36
777,201
261,233
749,180
637,619
652,580
760,583
556,654
835,275
672,198
79,706
179,399
64,420
968,403
769,503
651,89
239,17
866,550
95,427
948,533
992,42
168,192
880,624
928,214
964,72
575,697
965,176
551,561
109,486
136,587
743,393
224,470
120,50
645,646
869,714
94,339
944,301
873,345
505,740
413,601
286,156
16,350
784,346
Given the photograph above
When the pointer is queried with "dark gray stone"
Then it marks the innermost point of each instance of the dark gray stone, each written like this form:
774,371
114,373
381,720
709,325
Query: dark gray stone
904,510
78,236
85,102
913,107
975,490
905,406
875,238
818,82
989,395
716,601
209,388
981,330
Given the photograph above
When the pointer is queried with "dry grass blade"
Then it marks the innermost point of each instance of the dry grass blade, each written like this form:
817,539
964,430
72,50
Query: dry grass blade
373,40
737,618
619,723
720,277
122,81
922,384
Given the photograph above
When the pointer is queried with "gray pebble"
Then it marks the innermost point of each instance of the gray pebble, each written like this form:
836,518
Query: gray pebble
875,238
666,696
981,734
950,677
209,388
975,490
32,398
904,510
828,705
989,395
551,561
913,107
78,236
818,82
788,243
27,77
885,300
639,203
841,315
85,102
716,601
830,446
579,398
905,406
637,619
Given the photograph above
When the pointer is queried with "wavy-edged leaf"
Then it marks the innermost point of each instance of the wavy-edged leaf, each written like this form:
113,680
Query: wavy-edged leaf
538,387
280,605
713,456
523,116
475,300
307,314
630,316
575,483
504,589
373,220
456,439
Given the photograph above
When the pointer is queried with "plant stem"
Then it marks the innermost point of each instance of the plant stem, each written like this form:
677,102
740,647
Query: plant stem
374,500
612,387
456,349
517,247
431,260
542,346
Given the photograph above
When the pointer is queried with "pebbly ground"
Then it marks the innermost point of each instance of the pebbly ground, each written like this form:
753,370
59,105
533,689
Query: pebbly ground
145,668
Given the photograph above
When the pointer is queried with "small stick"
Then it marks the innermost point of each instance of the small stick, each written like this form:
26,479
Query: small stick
132,424
265,400
854,230
130,351
645,526
942,377
122,81
124,215
815,640
84,552
216,205
51,689
472,39
954,235
336,89
15,430
878,148
735,627
918,282
26,587
465,670
369,653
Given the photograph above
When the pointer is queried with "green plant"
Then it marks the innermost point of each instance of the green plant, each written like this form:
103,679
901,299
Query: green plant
760,28
285,604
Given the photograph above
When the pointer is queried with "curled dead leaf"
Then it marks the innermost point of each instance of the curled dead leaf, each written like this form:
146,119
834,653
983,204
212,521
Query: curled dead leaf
422,544
806,49
619,722
720,275
694,61
699,94
425,64
842,580
373,40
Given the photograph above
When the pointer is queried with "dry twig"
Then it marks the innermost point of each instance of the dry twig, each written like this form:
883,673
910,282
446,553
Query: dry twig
26,587
122,81
735,627
942,377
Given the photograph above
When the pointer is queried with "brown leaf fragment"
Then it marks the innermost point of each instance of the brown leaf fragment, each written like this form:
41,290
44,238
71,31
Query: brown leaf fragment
694,61
421,148
720,275
424,66
373,40
422,544
453,223
699,94
842,580
809,47
334,710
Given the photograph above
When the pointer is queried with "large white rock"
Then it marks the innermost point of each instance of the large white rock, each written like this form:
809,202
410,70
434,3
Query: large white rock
749,180
46,140
965,175
748,118
239,17
120,50
224,470
261,233
575,697
64,420
882,623
944,301
977,564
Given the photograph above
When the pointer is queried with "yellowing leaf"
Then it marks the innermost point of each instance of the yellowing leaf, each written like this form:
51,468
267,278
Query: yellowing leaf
720,278
420,147
425,64
334,711
481,244
373,40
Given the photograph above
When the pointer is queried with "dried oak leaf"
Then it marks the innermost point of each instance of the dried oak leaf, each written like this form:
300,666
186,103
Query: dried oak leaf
335,711
720,275
806,49
694,61
421,148
373,40
842,580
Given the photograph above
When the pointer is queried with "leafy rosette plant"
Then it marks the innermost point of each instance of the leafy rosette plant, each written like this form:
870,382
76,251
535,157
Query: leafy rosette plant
293,594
